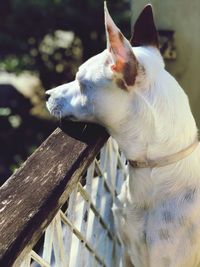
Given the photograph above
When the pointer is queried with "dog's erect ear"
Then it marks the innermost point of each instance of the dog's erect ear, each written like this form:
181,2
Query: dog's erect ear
124,61
145,33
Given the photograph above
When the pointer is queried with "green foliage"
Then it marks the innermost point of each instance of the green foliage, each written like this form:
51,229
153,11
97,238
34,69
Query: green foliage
25,25
51,38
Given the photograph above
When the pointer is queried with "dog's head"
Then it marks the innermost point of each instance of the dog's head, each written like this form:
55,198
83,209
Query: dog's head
106,83
125,88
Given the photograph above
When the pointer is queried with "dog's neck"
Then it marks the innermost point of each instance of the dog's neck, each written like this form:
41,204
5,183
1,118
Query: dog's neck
159,124
149,186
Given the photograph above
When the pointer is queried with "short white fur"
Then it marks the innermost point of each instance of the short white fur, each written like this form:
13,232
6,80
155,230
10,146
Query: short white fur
160,219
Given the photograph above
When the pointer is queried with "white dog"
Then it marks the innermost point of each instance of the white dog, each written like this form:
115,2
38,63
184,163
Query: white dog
127,90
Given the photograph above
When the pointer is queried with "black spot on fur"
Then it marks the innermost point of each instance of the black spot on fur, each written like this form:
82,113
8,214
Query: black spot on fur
144,236
167,216
190,195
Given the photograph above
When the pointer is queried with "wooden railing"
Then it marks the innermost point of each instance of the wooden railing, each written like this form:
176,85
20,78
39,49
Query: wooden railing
45,192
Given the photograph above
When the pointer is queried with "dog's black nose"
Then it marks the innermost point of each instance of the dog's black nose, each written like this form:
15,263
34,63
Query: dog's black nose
47,96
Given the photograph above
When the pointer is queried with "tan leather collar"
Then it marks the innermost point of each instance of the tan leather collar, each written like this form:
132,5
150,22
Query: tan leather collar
164,161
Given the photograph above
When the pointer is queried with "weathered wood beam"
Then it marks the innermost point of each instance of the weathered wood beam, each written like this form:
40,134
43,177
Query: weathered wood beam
33,194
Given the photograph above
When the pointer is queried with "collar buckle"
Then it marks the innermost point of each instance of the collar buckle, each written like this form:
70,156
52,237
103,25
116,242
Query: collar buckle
138,164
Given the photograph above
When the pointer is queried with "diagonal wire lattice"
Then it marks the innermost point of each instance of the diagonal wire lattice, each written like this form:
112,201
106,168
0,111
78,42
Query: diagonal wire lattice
82,233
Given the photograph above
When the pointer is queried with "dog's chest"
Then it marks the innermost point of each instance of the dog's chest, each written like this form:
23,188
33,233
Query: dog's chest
162,227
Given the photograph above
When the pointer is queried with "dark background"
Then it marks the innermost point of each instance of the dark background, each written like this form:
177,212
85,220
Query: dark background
48,40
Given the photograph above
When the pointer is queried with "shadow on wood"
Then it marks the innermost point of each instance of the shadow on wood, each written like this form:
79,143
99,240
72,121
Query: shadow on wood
84,132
